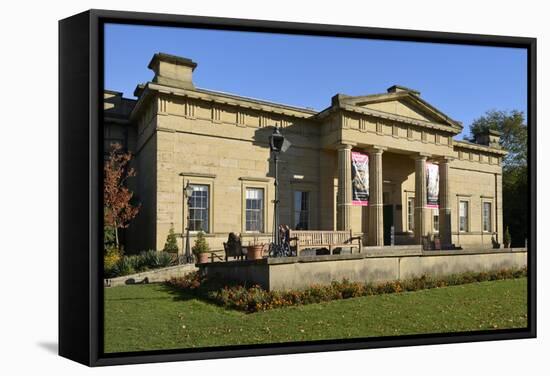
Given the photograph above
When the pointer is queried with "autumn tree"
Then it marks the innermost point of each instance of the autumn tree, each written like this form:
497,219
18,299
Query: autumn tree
118,208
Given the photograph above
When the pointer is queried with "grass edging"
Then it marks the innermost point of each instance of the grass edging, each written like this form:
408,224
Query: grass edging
253,298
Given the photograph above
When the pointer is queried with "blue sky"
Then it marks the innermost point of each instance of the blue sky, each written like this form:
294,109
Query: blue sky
306,71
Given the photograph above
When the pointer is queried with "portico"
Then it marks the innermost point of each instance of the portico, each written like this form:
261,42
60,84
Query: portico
373,214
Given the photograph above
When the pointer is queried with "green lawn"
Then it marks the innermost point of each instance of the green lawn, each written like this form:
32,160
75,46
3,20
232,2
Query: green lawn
153,317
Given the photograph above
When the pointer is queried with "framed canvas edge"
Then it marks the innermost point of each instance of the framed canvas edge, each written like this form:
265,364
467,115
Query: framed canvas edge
74,271
309,347
98,17
532,181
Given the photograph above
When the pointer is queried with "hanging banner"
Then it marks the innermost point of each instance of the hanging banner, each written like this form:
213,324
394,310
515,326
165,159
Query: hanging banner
360,178
432,185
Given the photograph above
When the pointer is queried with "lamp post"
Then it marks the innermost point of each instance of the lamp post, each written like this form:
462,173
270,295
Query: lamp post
188,193
277,144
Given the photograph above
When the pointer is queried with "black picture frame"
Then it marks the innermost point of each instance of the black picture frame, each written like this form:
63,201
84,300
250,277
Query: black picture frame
80,174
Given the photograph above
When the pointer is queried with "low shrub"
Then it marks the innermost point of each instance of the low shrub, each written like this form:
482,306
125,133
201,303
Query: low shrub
254,298
349,289
190,281
153,259
166,259
111,257
124,266
117,266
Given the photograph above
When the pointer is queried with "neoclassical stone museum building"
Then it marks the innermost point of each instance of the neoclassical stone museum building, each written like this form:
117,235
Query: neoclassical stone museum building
218,143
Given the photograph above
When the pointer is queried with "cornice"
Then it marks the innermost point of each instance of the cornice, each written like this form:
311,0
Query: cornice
471,146
227,99
399,118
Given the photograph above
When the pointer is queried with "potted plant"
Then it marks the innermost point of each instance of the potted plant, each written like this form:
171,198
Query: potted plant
200,248
507,238
254,250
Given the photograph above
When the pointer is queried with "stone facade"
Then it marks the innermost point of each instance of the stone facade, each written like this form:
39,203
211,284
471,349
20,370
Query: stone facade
182,134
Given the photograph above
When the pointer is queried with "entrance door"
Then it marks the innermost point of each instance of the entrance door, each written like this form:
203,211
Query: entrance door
388,223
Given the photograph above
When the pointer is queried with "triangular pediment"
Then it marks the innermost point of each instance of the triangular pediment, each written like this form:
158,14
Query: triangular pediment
401,108
402,104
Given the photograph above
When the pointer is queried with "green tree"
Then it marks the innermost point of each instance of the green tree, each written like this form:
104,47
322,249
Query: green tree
514,135
515,193
171,244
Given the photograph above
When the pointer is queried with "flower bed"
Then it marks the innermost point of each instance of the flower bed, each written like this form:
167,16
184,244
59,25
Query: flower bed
254,298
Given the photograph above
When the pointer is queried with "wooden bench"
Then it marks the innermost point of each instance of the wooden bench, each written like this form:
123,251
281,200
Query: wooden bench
216,255
323,239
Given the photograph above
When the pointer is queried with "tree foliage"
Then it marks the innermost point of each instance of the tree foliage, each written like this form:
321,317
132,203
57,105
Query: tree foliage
514,134
108,237
515,183
118,208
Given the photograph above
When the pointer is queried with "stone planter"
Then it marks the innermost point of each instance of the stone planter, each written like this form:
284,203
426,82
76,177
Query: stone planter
202,258
254,252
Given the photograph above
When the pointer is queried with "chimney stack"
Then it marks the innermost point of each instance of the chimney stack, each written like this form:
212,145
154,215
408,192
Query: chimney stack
488,137
173,70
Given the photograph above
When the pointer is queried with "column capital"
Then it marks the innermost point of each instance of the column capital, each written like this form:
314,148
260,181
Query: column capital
444,159
345,146
420,156
375,149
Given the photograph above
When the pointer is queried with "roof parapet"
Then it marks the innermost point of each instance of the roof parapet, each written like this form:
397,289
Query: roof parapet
337,99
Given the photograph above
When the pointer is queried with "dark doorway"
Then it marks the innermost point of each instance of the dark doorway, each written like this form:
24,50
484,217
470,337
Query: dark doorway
388,223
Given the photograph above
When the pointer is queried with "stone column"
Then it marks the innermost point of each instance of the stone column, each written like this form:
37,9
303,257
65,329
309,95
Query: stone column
498,227
344,188
445,234
376,208
420,199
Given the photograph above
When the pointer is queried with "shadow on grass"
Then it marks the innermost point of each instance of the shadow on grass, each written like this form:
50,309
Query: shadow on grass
136,298
178,293
206,291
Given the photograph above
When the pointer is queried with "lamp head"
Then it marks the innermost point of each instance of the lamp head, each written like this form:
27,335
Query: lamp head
276,141
188,190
